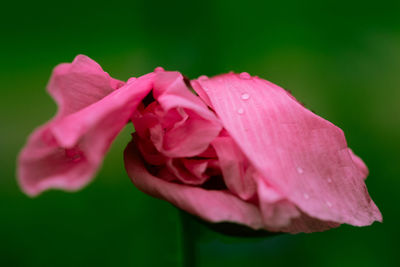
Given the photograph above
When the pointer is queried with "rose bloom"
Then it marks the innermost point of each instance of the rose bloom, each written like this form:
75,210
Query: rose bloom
232,148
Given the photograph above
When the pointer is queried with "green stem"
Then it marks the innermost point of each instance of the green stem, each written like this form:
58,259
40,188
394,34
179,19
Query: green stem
188,240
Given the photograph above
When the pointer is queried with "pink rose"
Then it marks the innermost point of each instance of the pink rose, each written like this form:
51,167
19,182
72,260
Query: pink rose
240,150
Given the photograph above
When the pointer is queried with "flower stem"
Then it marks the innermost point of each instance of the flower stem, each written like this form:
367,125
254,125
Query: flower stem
188,240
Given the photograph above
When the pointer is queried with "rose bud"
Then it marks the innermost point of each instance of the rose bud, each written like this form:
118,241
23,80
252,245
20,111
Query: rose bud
238,149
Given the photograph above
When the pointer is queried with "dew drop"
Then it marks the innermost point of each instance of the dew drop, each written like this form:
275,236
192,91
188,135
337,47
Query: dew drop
244,76
300,170
159,69
240,111
202,77
329,204
245,96
306,196
329,180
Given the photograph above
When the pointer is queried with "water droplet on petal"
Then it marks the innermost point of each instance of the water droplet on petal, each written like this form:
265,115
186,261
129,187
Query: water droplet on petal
244,76
329,180
300,170
306,196
329,204
159,69
202,77
245,96
240,111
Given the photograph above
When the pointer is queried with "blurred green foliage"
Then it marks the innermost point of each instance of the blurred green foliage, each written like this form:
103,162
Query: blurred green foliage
341,58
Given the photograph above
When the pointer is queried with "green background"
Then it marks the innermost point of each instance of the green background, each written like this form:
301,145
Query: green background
341,58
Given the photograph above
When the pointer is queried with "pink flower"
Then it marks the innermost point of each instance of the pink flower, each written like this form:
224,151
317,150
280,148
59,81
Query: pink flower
240,150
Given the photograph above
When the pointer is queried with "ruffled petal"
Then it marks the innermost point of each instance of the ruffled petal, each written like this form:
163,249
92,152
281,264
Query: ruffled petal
186,125
171,92
66,152
210,205
76,85
299,153
237,173
188,171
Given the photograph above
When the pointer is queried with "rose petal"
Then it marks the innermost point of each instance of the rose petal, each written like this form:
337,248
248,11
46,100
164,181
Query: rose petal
66,152
149,152
80,83
276,210
197,167
235,168
305,224
202,94
187,139
171,92
297,151
188,126
280,215
179,168
210,205
359,163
